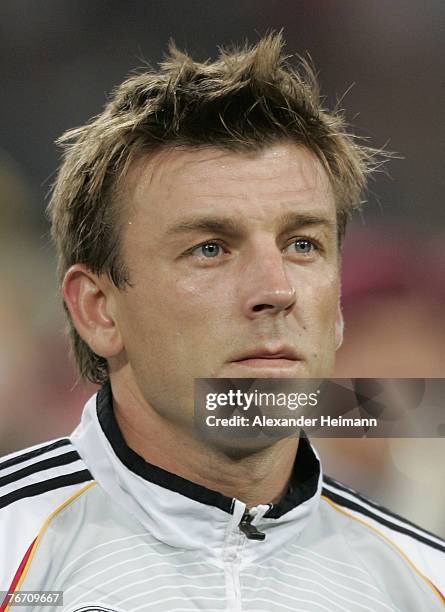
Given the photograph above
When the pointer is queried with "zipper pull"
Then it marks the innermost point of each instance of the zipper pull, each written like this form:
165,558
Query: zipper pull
249,530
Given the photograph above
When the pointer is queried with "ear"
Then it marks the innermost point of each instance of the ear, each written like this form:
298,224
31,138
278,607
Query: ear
89,299
339,327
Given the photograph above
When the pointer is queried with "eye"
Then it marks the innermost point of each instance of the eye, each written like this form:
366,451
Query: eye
208,250
302,246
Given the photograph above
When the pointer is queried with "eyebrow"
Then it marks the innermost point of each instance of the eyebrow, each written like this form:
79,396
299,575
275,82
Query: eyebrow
229,226
294,220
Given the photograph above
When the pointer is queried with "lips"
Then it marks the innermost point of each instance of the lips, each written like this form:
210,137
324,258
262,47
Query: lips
281,357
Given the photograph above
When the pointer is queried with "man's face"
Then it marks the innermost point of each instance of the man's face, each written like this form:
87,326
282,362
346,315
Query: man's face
234,271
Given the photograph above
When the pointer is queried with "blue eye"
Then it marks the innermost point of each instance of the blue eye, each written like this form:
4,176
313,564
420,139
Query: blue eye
301,245
208,250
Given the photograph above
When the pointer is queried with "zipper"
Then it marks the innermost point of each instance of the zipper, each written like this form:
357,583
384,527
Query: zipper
234,542
250,531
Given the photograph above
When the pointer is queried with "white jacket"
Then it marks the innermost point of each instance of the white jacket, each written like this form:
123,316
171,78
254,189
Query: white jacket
89,517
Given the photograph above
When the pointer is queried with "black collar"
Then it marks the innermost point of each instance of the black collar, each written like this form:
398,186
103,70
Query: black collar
303,484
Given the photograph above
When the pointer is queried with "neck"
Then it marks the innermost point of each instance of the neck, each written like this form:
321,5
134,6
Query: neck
260,477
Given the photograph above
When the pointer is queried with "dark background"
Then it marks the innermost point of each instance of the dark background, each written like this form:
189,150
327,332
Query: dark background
60,59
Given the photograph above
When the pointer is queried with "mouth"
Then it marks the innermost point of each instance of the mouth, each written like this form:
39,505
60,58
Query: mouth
263,358
266,362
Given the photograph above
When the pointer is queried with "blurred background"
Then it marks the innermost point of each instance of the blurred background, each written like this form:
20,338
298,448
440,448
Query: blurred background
60,60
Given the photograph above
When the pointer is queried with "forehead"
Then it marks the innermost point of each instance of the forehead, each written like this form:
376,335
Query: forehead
279,178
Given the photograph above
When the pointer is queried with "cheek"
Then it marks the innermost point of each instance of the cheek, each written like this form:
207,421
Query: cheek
318,301
200,298
178,307
320,318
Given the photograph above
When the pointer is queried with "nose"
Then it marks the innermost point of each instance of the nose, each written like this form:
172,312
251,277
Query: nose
266,288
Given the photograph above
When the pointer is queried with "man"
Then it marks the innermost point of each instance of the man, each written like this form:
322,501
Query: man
198,221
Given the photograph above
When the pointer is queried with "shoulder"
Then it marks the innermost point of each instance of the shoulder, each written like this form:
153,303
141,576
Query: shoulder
418,547
34,482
